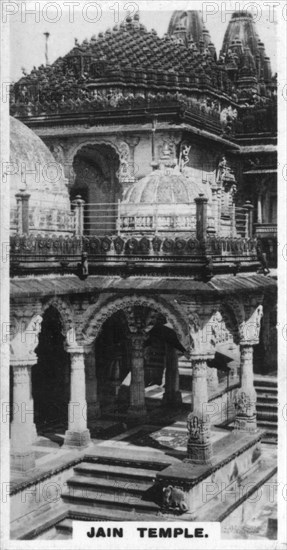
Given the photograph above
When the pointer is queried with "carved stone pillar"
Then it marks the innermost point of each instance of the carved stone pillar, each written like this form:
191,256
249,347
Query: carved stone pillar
93,404
78,204
132,142
199,448
23,429
137,408
172,395
245,401
77,434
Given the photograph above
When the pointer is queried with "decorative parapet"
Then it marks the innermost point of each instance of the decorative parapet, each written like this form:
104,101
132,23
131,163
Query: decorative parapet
111,245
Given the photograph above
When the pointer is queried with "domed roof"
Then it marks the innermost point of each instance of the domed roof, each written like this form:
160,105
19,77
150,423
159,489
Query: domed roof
164,185
163,202
35,171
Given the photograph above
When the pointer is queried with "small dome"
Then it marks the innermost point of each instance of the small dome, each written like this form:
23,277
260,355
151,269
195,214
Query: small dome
163,202
164,186
35,171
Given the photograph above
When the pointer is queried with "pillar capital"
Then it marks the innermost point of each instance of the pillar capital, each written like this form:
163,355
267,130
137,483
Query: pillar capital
75,351
29,361
246,344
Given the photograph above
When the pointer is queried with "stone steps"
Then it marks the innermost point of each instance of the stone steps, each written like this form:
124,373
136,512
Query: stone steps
107,501
64,528
86,512
266,405
110,488
108,471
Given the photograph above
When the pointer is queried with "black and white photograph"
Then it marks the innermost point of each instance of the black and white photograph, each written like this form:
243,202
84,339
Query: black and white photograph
143,273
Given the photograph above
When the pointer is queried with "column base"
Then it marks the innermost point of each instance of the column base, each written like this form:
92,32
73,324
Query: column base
199,453
245,424
22,461
245,405
173,399
77,439
199,447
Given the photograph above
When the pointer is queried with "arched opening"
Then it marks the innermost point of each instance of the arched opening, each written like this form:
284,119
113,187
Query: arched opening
115,361
51,375
96,181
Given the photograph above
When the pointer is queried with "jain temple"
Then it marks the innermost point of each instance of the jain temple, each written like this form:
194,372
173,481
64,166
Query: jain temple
143,363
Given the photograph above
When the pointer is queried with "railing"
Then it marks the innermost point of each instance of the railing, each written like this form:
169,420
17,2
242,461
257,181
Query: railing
119,218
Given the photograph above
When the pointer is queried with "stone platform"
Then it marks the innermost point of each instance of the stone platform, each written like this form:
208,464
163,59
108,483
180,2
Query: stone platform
123,479
237,456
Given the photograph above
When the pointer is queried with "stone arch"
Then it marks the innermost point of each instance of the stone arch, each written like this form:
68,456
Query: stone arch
65,311
121,148
98,315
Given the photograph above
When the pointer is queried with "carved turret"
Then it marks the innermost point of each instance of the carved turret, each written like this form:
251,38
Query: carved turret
192,22
242,46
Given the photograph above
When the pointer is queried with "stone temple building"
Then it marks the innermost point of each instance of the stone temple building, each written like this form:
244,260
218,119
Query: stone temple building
143,275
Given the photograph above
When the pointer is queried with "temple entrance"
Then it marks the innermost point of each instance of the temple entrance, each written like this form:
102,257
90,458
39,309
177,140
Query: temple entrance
51,375
95,168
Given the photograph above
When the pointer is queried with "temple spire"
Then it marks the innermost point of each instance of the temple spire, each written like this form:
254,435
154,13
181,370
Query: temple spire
189,24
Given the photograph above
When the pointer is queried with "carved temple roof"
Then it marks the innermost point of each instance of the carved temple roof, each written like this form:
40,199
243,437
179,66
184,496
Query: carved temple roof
131,67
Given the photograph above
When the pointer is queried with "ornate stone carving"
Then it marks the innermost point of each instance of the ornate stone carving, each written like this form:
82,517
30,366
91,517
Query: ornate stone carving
23,345
174,497
250,329
126,169
228,116
184,155
199,447
96,315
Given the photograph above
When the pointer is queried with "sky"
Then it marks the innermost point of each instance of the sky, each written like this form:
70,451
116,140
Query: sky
70,21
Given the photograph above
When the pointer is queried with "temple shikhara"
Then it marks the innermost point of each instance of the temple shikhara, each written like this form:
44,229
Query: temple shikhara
143,193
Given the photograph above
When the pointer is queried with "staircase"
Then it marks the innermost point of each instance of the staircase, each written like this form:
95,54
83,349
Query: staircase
115,489
267,406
